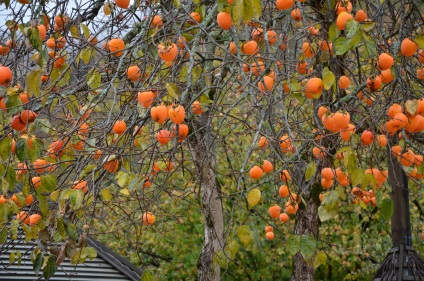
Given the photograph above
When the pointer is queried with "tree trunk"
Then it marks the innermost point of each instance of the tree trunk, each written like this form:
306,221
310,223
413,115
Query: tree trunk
203,152
401,226
307,223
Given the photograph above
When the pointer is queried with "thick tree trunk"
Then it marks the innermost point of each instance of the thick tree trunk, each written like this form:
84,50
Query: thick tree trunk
203,152
307,223
401,226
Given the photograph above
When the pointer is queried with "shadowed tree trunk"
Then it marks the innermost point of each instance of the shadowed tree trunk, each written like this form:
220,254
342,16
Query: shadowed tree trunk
307,223
203,152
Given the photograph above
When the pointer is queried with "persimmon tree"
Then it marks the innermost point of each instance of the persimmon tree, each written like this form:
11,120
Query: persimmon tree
274,120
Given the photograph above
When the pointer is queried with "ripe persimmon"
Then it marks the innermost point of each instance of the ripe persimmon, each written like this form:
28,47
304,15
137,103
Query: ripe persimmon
123,4
296,14
256,172
344,82
148,218
6,75
327,173
116,46
408,47
283,191
342,19
157,21
269,228
374,84
326,183
284,4
367,137
263,142
315,85
33,219
250,47
307,50
360,16
133,73
28,116
224,20
196,107
285,176
274,211
343,6
385,61
197,18
159,113
145,99
182,131
176,114
119,127
233,48
382,140
163,136
266,84
386,76
267,166
168,53
270,235
17,124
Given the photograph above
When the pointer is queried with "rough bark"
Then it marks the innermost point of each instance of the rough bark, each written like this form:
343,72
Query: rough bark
307,223
401,226
203,153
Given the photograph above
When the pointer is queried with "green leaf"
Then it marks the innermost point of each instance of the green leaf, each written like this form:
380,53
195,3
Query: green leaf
293,244
325,214
387,209
352,163
49,182
43,205
307,246
177,3
411,106
370,44
76,196
356,39
253,197
35,150
71,230
147,276
91,253
333,32
38,263
33,82
94,79
3,235
368,26
87,170
231,248
351,27
106,195
22,149
172,90
357,176
244,234
5,147
11,257
310,171
328,78
50,268
320,259
35,38
419,39
245,10
342,46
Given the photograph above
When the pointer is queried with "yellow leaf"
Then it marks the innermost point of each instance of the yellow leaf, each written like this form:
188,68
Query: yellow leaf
253,197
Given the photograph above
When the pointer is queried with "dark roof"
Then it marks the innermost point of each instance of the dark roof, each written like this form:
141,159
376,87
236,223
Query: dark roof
108,265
